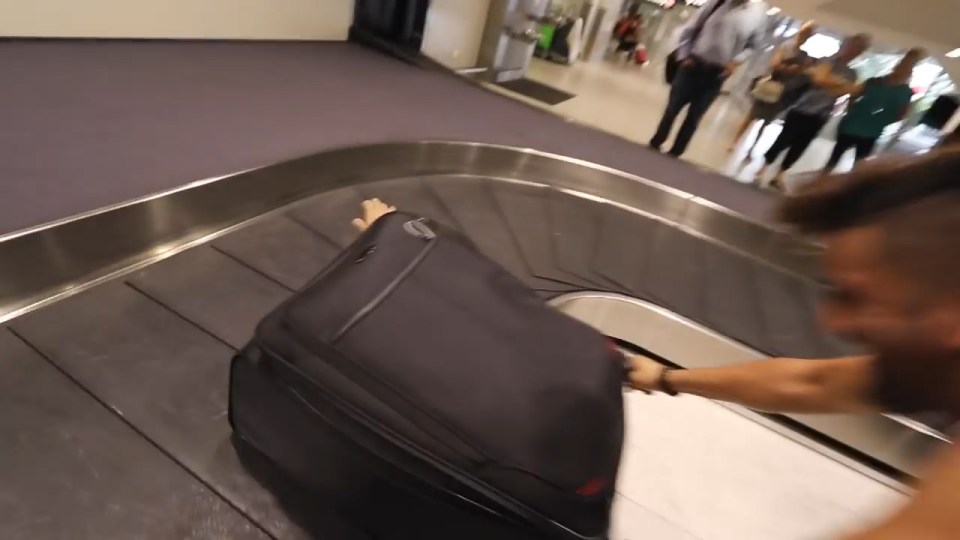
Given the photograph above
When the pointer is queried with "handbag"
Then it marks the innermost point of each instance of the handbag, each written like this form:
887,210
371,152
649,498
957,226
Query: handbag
768,90
640,55
671,67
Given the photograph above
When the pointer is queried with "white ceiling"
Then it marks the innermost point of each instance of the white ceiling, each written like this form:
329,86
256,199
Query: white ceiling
936,20
934,24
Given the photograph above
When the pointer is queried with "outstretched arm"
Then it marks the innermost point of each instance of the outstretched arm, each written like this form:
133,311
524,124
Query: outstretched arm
842,385
821,76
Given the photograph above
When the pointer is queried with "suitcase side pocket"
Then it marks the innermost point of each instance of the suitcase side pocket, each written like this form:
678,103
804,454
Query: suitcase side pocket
416,228
361,278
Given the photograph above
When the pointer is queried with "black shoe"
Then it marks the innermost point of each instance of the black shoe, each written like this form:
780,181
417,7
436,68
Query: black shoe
674,154
655,147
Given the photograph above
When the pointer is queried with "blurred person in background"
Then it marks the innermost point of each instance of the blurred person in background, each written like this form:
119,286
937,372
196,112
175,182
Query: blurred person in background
627,31
890,232
720,38
787,65
829,80
881,101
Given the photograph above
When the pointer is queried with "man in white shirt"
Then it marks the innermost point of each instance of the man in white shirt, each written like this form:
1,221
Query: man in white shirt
722,35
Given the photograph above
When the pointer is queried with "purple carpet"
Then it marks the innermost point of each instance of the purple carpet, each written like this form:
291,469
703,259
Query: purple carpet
91,123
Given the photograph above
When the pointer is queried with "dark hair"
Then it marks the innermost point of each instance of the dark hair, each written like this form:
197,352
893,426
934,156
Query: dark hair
916,201
873,189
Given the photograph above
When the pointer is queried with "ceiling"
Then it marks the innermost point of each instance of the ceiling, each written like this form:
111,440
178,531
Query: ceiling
933,24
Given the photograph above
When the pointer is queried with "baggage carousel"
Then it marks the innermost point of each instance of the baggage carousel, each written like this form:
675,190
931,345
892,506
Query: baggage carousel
118,325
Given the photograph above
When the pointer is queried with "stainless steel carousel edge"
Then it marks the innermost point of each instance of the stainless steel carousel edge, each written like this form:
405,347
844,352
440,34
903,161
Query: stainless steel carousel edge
49,262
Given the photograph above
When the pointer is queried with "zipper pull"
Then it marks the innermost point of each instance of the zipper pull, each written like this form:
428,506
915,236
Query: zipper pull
419,229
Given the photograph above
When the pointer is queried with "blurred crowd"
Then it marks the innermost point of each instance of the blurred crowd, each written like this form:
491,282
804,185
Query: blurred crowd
801,90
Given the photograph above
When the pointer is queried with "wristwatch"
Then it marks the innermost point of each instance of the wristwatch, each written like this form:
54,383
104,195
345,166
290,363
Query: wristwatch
663,384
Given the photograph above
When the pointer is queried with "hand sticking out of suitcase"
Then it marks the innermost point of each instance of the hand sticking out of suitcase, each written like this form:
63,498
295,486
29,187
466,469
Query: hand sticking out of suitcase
373,209
641,373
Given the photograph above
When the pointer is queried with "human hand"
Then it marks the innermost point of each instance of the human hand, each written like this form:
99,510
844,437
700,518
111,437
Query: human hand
373,209
644,373
686,62
728,70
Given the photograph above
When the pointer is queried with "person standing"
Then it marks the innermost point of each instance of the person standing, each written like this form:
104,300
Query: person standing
627,31
830,80
883,101
786,68
722,35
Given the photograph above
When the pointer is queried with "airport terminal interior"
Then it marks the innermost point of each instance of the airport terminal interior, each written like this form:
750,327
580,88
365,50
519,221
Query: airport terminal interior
173,170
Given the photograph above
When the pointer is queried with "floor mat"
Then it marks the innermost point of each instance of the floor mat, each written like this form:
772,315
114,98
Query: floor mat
537,91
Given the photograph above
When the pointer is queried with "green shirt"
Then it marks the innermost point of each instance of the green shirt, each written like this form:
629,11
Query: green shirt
880,105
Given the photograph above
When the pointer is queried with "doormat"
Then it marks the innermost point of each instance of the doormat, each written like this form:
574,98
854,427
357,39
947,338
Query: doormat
537,91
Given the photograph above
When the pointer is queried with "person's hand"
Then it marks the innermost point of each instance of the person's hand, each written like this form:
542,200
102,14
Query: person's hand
644,373
686,62
728,70
373,209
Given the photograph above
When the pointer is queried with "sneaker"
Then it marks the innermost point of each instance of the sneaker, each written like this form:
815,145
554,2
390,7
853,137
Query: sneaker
758,176
777,183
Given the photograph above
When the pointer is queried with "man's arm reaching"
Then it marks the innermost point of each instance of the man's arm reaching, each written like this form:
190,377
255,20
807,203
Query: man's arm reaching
842,385
822,76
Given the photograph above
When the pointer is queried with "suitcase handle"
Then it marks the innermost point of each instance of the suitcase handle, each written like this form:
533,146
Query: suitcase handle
420,229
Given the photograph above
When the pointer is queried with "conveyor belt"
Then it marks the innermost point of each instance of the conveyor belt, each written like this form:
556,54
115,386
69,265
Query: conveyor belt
154,345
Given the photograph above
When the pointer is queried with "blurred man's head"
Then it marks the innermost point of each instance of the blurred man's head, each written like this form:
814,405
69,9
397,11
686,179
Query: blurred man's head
806,32
854,46
904,68
891,233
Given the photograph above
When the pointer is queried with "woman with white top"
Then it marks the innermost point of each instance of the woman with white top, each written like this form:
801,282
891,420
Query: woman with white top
787,62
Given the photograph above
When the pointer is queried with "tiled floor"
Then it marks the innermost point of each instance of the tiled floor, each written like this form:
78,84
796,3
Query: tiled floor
627,100
693,469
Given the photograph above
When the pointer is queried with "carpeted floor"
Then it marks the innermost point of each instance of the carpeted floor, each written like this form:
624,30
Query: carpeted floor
91,123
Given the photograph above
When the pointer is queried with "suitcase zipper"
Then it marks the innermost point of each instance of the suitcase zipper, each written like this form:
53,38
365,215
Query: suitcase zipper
416,228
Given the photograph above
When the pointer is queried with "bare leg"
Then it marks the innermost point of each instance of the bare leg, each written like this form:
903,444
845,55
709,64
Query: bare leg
373,209
741,131
758,177
763,127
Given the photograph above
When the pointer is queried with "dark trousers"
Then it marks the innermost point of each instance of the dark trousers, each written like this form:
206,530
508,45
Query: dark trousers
863,148
799,130
695,87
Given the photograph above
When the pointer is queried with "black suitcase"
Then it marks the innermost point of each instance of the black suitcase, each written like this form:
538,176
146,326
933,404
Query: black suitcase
425,392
